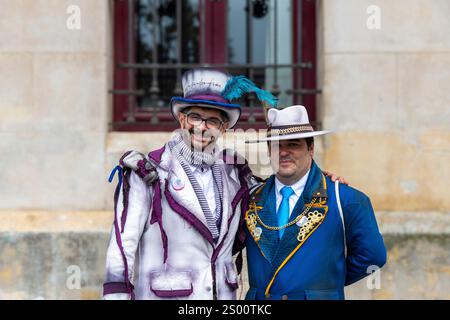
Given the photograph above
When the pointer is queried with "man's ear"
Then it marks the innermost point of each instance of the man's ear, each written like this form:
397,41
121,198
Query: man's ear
311,150
181,117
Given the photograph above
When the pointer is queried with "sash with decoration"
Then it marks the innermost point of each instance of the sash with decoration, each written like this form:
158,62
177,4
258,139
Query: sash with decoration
306,217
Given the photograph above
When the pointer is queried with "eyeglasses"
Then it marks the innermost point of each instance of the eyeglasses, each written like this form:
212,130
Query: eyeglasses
195,119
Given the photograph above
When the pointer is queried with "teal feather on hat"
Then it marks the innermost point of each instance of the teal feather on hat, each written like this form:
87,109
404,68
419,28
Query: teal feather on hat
238,86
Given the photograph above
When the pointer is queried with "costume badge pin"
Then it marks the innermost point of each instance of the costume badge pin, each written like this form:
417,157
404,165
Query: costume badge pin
257,232
177,184
302,221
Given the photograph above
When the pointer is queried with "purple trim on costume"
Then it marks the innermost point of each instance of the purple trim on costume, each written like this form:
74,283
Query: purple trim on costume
173,293
187,215
213,265
244,169
208,97
129,286
244,208
123,157
141,171
207,101
219,247
233,285
156,155
239,195
217,251
157,216
213,269
243,195
115,287
126,194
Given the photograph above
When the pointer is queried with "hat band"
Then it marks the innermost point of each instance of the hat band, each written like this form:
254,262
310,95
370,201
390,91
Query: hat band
208,97
284,130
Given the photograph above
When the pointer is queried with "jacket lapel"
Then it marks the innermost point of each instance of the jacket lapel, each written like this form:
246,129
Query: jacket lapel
230,188
315,190
231,176
268,240
182,192
183,195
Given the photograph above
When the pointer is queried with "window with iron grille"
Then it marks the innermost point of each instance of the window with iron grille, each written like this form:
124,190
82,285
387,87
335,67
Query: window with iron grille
272,42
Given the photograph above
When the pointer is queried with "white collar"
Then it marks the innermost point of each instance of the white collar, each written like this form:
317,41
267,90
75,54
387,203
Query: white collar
197,169
297,187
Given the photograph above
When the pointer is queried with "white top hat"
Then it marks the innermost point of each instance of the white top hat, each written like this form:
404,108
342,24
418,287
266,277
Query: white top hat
203,88
289,123
216,89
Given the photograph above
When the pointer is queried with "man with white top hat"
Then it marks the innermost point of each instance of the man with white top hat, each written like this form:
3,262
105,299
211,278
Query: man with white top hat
307,237
178,208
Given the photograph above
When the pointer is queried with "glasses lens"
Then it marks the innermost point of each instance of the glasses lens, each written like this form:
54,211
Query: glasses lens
194,119
213,123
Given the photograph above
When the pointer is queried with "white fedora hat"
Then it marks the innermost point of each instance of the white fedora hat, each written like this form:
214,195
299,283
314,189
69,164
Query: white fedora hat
289,123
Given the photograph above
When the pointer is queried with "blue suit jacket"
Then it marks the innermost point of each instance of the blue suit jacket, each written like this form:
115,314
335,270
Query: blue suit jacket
313,265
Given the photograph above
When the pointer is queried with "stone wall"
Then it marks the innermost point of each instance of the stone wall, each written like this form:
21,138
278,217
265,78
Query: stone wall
62,256
54,104
385,94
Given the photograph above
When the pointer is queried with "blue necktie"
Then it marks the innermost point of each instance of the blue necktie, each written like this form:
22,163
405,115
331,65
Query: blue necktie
283,209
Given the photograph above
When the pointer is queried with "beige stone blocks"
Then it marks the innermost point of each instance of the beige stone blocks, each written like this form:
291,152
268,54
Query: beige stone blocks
56,169
54,104
16,92
424,92
406,25
386,97
395,174
359,91
41,26
70,90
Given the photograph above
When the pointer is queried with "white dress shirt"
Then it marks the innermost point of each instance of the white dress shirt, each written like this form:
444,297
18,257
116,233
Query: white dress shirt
206,181
298,188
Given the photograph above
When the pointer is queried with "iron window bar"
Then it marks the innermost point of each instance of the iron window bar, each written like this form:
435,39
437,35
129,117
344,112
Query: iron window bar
153,113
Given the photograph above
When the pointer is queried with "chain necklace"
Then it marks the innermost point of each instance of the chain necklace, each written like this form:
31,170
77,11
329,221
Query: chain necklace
286,225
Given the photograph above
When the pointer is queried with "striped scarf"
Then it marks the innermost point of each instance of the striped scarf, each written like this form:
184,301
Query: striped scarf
187,157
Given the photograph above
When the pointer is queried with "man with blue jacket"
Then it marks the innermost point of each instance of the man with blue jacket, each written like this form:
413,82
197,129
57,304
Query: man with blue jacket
307,237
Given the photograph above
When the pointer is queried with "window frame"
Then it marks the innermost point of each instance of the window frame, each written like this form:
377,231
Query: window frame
215,52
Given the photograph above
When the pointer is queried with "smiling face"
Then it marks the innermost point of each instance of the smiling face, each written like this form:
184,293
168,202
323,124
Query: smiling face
290,159
201,138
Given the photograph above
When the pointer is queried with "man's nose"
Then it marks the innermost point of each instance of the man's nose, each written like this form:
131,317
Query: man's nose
283,152
202,127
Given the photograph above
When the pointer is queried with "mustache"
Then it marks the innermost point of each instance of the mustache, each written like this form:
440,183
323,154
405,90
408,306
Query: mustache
208,134
286,159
